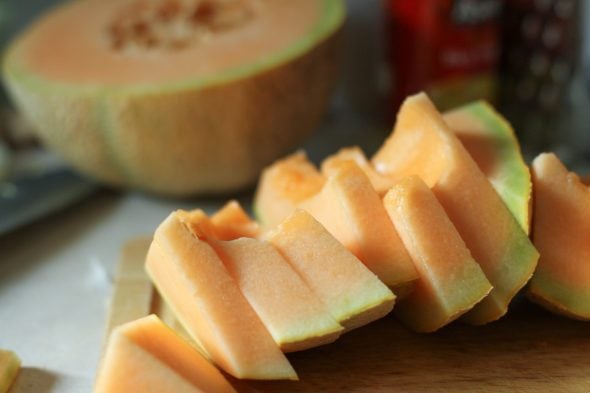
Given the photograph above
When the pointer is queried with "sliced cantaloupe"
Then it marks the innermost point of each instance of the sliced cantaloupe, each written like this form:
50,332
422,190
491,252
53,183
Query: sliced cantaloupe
9,368
491,142
451,282
146,356
422,144
561,232
282,186
353,213
232,222
207,301
380,183
353,295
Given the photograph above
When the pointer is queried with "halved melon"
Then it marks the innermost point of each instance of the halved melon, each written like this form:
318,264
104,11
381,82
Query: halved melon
451,282
422,144
232,222
9,367
176,97
491,142
561,232
353,295
191,278
353,213
147,356
283,185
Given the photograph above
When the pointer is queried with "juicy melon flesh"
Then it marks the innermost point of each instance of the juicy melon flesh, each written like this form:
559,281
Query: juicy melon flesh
232,222
353,213
450,282
422,144
146,356
491,142
561,232
190,277
353,295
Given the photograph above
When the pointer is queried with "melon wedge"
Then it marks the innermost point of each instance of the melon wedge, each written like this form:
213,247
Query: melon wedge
146,356
380,183
9,367
191,278
232,222
353,295
174,97
451,282
491,142
353,213
561,232
282,186
422,144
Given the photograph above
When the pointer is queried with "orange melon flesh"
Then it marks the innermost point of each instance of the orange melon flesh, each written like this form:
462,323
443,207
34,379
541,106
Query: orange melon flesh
451,282
191,277
292,313
422,144
353,213
561,232
380,183
232,222
491,142
353,295
9,368
282,186
147,356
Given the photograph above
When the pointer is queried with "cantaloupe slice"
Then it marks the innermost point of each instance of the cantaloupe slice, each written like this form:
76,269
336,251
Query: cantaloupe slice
380,183
451,282
353,213
491,142
422,144
9,368
282,186
353,295
561,232
232,222
207,301
146,356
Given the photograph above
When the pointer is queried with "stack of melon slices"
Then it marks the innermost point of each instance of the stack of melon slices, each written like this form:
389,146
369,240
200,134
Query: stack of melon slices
436,222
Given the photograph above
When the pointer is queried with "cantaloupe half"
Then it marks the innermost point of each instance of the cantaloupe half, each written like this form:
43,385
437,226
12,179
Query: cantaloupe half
208,302
422,144
232,222
283,185
9,368
353,213
451,282
561,232
354,296
491,142
176,97
146,356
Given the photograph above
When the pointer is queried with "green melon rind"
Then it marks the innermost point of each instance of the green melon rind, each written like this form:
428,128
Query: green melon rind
512,179
559,297
334,13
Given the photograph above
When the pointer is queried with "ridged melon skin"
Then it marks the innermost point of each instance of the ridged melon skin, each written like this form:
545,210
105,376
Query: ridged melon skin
199,137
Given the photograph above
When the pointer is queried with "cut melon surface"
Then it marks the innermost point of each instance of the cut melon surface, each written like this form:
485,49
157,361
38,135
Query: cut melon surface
283,185
422,144
146,356
190,276
451,282
561,232
353,295
9,368
492,143
350,209
232,222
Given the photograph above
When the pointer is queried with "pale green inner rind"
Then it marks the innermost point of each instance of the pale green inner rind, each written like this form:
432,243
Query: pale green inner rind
332,18
562,295
512,178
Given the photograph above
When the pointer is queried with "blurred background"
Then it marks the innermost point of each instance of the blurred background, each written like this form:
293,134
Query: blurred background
530,58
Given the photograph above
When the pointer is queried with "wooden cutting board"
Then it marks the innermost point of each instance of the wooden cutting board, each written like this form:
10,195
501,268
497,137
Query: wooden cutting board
530,350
